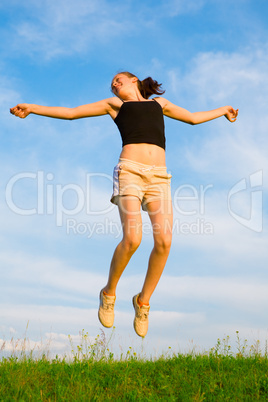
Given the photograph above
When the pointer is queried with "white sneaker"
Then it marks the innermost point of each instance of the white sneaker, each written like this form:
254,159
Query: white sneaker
141,320
106,310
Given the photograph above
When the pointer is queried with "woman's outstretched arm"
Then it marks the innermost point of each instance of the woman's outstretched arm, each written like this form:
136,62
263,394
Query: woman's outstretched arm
105,106
178,113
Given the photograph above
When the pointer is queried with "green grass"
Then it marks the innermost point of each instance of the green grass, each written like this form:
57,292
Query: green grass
94,374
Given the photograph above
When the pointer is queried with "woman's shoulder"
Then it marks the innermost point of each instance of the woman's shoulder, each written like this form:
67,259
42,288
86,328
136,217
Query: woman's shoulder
114,102
162,101
113,106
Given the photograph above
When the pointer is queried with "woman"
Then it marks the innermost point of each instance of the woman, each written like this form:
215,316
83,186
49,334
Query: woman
140,177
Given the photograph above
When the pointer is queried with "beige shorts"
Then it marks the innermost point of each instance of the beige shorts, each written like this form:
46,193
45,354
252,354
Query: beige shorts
148,183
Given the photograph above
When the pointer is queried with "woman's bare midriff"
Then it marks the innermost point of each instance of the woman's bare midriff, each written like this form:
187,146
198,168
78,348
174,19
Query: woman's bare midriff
149,154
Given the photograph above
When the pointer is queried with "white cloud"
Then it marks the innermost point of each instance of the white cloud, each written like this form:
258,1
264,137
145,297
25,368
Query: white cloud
218,76
244,293
61,279
61,28
69,283
180,7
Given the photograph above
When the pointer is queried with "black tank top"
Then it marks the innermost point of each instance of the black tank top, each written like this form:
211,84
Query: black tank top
141,122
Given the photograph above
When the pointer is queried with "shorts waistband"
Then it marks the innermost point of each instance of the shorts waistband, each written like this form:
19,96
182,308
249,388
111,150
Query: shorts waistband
142,165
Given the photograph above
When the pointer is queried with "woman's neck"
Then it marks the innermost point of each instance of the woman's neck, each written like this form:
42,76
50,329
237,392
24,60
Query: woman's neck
133,95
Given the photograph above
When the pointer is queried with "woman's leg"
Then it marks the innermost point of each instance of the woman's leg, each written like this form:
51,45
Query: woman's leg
161,217
129,209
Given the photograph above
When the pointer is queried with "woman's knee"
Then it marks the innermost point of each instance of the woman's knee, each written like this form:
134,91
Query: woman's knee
163,243
131,243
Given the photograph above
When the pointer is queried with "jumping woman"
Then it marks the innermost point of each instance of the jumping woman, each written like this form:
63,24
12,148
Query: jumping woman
140,177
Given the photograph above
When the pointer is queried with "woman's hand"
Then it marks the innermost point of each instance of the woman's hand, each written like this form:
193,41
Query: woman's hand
231,114
22,110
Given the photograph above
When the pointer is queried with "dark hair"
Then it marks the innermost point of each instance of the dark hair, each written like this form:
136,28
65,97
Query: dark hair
147,87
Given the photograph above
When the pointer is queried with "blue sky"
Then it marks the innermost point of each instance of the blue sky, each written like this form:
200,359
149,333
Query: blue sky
59,230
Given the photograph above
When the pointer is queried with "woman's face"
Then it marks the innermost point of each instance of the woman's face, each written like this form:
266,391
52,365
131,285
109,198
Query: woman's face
121,83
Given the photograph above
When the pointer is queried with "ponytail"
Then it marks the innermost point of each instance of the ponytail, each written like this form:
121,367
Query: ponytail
147,87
